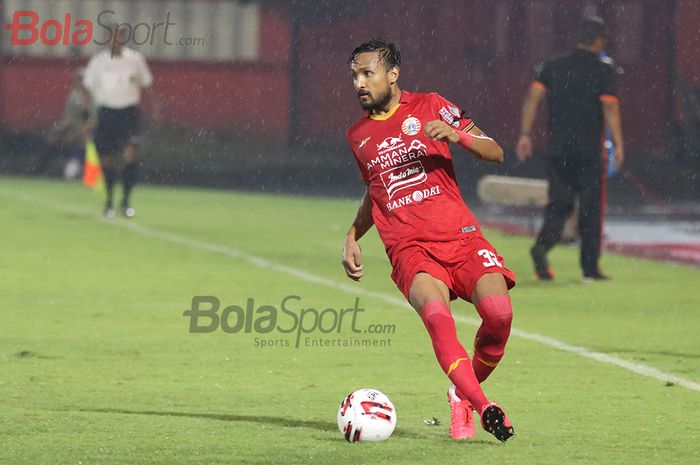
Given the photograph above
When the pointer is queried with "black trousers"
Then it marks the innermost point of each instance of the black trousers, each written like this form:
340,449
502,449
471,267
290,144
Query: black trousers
575,172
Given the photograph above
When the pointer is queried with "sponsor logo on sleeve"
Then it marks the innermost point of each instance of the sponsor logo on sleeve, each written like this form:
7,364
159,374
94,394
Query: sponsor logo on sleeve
449,117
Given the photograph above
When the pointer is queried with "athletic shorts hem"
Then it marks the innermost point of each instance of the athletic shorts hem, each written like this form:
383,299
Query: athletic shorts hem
459,264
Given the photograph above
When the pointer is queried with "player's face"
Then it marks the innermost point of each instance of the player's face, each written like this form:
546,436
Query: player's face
372,80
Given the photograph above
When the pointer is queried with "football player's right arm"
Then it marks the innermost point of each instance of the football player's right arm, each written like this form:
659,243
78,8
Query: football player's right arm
352,253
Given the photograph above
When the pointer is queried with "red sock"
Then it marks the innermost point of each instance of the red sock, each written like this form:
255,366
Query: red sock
452,357
490,343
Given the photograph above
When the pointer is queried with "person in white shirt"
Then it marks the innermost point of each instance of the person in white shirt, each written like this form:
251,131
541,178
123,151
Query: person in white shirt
115,78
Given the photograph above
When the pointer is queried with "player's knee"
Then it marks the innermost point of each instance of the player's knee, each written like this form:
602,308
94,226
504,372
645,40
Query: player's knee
501,320
131,153
426,290
496,312
437,315
439,322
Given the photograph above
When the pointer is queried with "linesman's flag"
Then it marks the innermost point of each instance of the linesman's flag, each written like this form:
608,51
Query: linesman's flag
92,171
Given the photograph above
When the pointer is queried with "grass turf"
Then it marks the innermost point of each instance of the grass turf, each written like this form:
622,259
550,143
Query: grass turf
98,365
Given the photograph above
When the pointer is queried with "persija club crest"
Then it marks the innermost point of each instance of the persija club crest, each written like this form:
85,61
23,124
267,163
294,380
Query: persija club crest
411,126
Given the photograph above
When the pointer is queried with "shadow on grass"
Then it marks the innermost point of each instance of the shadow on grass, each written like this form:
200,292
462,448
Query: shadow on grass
325,426
283,422
443,439
262,419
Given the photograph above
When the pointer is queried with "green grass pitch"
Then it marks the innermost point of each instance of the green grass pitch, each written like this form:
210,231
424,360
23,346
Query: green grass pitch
97,364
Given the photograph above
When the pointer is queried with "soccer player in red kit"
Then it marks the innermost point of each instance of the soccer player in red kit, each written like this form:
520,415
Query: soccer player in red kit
433,241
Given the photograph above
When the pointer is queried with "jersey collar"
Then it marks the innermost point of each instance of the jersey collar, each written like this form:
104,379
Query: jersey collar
405,97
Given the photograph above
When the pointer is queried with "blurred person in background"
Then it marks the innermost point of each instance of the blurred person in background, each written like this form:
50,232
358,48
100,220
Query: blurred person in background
115,78
70,133
582,98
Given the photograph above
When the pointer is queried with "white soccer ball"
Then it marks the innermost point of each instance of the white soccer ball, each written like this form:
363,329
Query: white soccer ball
366,415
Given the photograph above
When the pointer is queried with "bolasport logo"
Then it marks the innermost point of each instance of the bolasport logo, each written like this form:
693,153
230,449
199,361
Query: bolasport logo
28,28
290,324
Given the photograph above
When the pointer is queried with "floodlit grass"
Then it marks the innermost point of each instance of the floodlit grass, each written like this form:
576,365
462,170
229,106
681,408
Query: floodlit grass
97,365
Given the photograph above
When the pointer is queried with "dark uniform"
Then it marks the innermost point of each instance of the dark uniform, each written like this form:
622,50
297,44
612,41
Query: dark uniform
576,84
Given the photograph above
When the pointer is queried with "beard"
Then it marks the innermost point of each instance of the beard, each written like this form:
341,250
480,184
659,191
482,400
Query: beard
378,103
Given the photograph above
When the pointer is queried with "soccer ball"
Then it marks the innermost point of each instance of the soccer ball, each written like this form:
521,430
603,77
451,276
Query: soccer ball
366,415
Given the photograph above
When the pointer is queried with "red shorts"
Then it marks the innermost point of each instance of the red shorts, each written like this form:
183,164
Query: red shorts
459,264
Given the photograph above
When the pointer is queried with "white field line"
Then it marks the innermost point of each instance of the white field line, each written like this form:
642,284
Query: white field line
260,262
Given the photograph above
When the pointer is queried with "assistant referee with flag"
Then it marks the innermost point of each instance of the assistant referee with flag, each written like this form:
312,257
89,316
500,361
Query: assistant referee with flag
115,78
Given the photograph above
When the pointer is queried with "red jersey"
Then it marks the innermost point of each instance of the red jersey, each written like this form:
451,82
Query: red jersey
411,179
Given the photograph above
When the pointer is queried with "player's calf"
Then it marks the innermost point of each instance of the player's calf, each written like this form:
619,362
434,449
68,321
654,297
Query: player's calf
450,353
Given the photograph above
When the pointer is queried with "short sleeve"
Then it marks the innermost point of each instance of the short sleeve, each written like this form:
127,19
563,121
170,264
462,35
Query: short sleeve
608,85
543,75
363,171
90,76
364,174
144,72
451,114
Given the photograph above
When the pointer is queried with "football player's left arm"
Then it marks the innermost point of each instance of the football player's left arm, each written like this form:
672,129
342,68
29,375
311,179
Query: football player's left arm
475,140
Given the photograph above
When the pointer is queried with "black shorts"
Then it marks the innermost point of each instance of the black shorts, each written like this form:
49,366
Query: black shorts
116,128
